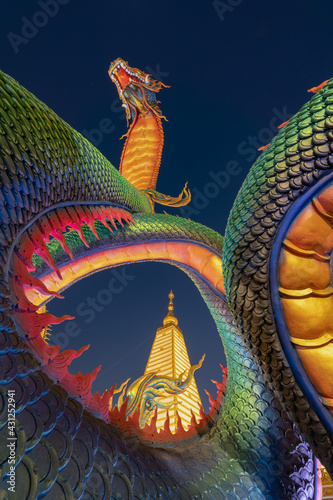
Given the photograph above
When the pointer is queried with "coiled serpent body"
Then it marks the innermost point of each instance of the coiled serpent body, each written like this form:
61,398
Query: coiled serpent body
66,450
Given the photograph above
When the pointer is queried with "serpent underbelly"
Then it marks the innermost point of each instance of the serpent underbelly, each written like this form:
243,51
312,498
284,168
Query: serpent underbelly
142,152
306,296
64,449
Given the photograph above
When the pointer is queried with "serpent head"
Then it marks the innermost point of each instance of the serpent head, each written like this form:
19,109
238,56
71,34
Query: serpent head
136,89
66,213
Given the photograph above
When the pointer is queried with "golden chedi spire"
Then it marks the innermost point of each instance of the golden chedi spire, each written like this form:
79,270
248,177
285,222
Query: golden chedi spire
169,358
170,317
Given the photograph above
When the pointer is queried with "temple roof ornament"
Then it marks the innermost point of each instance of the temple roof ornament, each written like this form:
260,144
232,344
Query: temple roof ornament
170,317
167,389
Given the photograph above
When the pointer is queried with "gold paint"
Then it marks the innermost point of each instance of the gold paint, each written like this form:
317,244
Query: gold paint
306,292
46,331
327,484
220,285
53,278
300,251
76,267
198,256
94,259
317,362
174,251
168,382
89,264
309,318
301,272
177,252
170,318
117,256
320,209
182,199
158,250
311,232
212,270
141,156
135,252
121,389
325,198
328,401
327,337
34,296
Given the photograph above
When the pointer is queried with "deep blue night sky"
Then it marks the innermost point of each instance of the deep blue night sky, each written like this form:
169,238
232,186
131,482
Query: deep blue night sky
237,69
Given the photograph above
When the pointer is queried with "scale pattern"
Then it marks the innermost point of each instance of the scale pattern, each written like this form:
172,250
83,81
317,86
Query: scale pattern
64,452
156,227
45,162
299,156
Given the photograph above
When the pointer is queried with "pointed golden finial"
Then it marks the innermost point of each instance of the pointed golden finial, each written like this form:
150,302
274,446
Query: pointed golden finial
170,318
171,297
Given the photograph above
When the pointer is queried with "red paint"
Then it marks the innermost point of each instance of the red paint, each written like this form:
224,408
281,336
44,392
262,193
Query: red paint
316,89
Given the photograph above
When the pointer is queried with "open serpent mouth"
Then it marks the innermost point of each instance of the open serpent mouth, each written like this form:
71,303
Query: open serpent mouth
122,75
63,246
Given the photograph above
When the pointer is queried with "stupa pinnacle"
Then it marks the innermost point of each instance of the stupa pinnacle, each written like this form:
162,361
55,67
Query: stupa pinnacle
169,357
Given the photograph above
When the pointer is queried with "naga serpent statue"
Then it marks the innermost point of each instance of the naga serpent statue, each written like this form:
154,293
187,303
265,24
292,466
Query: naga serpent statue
66,213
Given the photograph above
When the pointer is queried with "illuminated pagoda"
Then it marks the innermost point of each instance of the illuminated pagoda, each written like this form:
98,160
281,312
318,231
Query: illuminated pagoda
170,358
327,484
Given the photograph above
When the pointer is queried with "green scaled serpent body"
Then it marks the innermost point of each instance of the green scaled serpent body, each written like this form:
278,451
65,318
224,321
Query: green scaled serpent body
66,450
